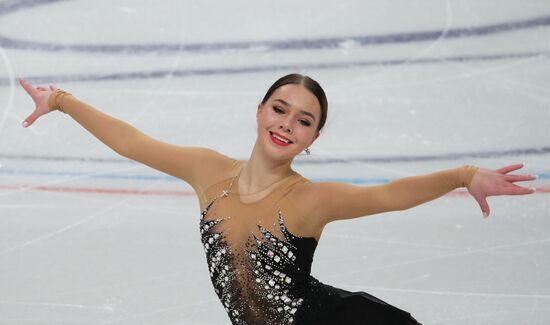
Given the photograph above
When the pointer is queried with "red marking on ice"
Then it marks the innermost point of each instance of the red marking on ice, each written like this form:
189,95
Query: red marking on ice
72,189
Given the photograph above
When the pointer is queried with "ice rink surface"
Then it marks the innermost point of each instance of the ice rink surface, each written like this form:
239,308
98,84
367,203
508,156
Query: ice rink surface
88,237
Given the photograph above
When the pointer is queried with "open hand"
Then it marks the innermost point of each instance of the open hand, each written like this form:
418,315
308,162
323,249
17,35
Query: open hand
40,97
488,182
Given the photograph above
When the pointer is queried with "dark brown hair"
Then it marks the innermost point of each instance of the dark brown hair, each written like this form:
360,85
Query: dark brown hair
310,84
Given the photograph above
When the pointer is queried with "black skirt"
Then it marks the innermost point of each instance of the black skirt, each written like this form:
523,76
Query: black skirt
334,306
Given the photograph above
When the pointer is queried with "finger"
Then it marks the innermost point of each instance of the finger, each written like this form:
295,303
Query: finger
28,87
484,206
507,169
517,190
520,178
53,88
41,88
30,119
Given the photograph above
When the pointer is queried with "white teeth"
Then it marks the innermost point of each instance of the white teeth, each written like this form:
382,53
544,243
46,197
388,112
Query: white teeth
279,138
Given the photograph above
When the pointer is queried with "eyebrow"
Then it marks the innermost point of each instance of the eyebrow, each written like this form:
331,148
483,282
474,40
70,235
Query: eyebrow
301,111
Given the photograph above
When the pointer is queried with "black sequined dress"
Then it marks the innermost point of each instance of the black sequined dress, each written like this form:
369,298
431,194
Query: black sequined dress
261,271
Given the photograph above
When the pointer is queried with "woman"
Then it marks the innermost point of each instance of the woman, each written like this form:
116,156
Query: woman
261,221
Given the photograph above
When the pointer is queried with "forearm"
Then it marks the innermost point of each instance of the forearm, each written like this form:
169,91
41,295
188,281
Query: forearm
118,135
337,201
408,192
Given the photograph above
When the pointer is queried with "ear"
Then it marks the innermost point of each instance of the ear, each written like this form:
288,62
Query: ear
260,106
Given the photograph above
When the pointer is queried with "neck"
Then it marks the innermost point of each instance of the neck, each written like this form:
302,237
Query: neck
260,172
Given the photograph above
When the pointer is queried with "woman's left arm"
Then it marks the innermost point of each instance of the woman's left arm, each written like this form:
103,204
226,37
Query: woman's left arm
488,182
336,201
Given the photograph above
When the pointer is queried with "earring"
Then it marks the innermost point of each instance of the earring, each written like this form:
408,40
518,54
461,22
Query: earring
308,152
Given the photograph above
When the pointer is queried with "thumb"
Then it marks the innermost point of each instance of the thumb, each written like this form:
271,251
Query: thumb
484,206
30,119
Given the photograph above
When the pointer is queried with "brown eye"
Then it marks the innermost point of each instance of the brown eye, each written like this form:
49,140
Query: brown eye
278,110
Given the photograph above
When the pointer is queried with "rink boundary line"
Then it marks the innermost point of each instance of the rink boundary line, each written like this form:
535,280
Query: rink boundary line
186,193
345,42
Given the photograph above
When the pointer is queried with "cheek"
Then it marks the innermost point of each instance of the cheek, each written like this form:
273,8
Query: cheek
268,120
264,122
261,119
306,135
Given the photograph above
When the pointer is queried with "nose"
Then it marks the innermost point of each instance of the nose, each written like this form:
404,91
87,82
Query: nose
285,125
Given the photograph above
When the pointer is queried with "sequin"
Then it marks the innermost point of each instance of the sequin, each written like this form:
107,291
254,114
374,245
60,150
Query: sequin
267,260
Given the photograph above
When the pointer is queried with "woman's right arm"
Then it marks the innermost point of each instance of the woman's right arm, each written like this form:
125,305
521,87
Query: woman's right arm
191,164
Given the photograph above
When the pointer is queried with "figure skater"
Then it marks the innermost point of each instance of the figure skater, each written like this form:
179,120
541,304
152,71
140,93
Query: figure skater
261,221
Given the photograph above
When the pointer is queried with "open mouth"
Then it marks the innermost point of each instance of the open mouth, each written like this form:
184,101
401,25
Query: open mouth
279,139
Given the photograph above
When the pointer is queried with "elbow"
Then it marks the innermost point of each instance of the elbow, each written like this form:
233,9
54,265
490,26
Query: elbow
402,208
123,151
127,149
389,206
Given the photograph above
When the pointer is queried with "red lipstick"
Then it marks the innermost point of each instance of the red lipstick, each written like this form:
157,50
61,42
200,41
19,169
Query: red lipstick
279,139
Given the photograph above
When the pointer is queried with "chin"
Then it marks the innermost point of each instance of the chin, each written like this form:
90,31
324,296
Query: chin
276,155
279,154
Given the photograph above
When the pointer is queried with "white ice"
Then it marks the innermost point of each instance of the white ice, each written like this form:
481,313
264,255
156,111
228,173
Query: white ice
87,237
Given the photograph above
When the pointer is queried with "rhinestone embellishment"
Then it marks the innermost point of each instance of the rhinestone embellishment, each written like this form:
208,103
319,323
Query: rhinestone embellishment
266,261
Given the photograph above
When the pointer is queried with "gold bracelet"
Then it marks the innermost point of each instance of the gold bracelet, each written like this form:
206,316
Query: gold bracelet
55,101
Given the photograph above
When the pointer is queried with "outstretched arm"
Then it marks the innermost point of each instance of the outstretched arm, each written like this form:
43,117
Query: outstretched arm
190,164
335,201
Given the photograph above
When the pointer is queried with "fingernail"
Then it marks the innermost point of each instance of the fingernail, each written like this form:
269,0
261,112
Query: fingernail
485,215
25,124
534,189
536,176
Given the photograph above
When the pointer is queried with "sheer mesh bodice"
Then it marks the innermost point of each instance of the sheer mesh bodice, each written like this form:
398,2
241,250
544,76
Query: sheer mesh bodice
259,269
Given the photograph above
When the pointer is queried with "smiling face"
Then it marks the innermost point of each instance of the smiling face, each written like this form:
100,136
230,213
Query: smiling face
287,122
